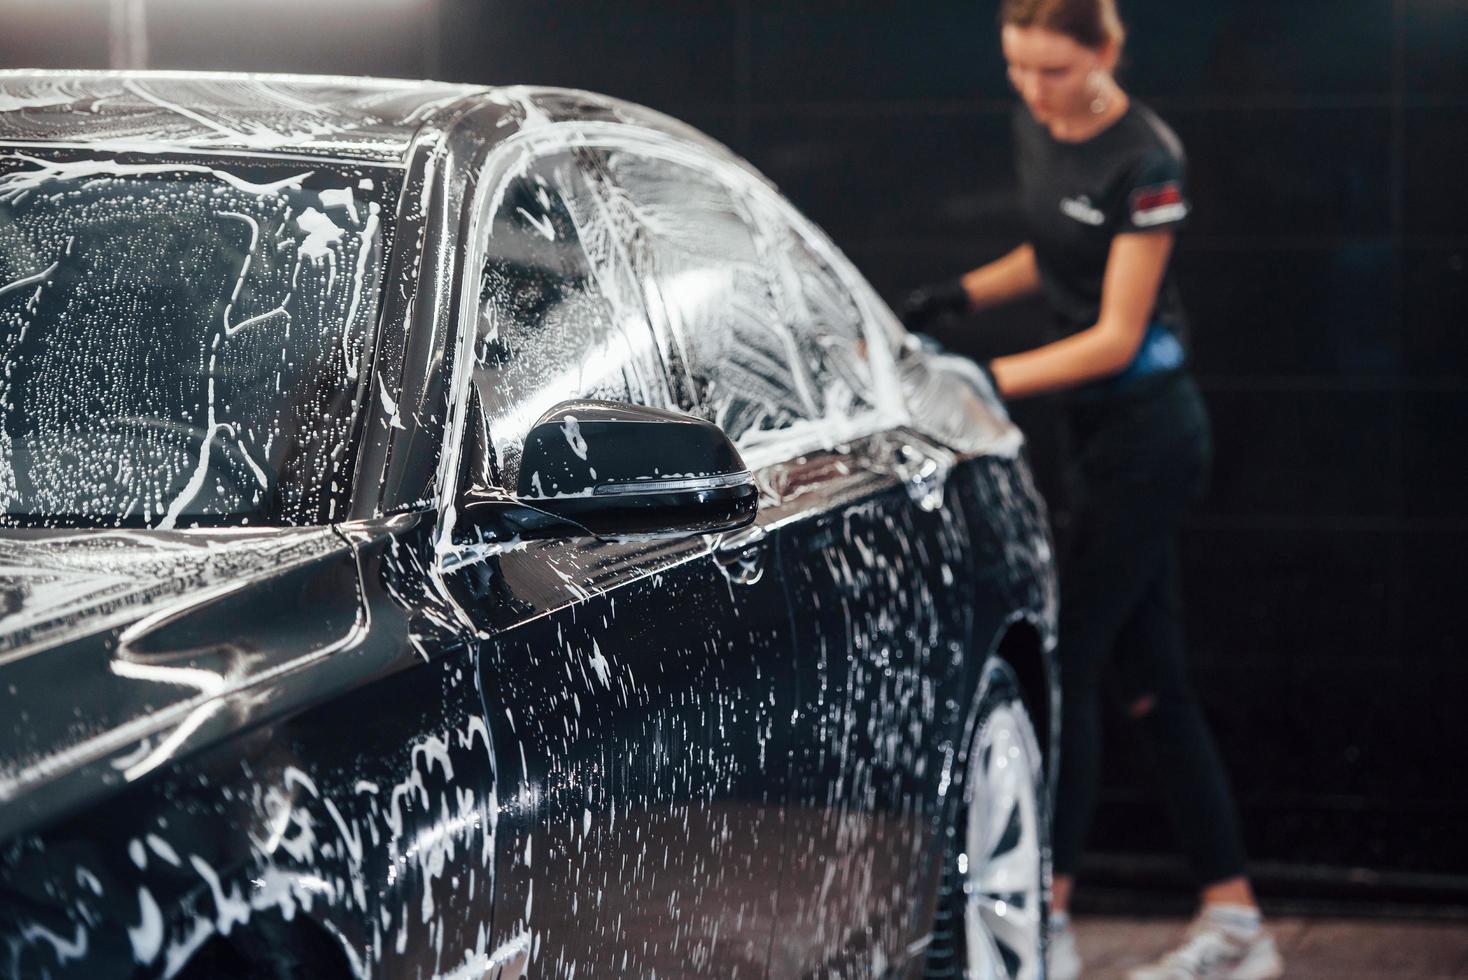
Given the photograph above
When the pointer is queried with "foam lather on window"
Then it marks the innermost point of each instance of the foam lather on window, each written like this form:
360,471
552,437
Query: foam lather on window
184,343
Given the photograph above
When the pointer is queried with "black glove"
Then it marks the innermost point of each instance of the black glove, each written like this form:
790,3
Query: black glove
927,303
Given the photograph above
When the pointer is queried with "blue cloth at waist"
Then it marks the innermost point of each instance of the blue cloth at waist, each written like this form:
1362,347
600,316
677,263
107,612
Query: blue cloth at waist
1159,353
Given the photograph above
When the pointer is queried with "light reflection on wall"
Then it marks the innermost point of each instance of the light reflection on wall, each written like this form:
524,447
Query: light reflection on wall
381,37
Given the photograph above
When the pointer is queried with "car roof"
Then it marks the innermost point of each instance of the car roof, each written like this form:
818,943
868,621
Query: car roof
367,119
344,118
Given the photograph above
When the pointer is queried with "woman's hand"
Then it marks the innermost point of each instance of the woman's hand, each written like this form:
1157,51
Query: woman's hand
927,303
1014,276
1134,272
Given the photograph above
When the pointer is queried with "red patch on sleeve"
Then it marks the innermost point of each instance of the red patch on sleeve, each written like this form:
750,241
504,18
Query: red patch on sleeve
1158,203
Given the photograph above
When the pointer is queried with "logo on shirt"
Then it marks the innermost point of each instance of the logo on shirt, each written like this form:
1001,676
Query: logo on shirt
1082,210
1158,204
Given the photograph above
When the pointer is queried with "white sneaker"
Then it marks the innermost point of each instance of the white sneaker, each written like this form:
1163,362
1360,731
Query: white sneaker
1213,951
1062,959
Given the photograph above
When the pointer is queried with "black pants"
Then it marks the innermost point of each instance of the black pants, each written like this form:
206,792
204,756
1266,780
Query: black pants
1139,460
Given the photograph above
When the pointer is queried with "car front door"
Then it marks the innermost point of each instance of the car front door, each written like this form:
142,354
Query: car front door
632,687
771,343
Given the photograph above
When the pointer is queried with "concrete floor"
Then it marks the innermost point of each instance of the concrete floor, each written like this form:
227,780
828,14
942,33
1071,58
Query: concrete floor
1313,949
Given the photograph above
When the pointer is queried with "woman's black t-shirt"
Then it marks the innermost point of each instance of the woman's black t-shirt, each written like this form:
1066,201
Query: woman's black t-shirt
1077,197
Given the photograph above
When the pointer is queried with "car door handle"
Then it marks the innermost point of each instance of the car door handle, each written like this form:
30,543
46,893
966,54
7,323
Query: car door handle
741,554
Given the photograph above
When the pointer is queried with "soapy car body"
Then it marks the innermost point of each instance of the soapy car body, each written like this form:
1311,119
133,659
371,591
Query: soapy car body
303,662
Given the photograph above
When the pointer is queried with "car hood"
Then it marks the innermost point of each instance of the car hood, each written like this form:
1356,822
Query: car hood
118,648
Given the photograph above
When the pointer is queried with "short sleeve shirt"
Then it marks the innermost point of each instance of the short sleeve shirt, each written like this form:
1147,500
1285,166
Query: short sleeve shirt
1077,197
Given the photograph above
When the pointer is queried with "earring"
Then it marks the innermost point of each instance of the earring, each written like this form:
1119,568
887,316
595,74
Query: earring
1101,100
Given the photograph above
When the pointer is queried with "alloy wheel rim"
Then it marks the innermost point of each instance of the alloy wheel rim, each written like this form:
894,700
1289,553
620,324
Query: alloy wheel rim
1000,863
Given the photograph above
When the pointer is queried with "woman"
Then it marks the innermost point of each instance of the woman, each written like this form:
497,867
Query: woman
1102,183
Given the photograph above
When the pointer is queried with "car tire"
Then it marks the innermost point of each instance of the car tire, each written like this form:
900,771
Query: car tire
993,905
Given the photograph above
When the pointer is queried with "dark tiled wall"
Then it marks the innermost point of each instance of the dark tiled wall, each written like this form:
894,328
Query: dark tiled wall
1324,268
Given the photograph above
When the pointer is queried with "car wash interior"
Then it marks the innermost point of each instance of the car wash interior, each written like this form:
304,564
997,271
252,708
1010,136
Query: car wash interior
1324,270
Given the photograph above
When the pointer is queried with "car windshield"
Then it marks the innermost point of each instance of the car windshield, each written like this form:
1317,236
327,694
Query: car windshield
184,341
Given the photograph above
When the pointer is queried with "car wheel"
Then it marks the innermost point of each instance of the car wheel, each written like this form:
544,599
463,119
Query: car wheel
996,876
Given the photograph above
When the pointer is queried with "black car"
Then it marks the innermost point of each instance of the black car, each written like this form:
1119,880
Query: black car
478,532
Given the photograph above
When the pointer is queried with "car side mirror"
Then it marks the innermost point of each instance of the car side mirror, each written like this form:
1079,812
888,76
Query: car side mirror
612,470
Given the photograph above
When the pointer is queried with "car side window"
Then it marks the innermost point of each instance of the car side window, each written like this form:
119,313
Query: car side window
559,314
827,323
770,342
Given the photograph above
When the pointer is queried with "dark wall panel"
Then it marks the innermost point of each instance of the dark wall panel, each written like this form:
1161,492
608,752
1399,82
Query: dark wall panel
1271,173
1316,311
1435,456
1302,454
1435,37
665,55
1435,315
897,176
1273,601
1434,615
1252,50
827,50
1436,193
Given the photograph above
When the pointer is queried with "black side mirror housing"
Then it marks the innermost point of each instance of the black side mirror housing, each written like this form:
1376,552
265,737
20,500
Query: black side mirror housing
612,470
